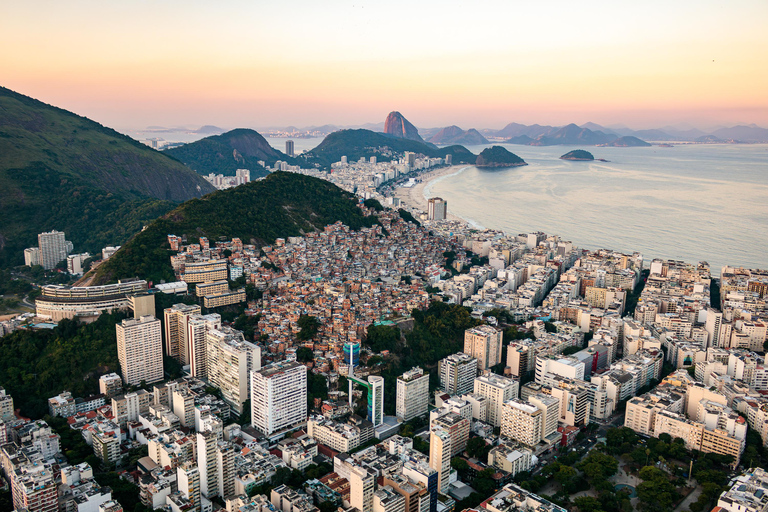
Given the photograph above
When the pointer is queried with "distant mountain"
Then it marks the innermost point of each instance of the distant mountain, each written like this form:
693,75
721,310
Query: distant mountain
578,154
627,142
597,128
516,129
210,130
282,205
355,144
397,125
751,133
224,154
455,135
572,134
497,156
62,171
520,139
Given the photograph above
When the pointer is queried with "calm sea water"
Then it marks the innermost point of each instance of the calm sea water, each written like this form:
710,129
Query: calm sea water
692,202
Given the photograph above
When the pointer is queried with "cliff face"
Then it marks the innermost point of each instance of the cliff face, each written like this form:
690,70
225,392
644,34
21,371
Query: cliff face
397,125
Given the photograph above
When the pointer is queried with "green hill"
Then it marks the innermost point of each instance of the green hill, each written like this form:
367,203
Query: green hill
355,144
284,204
224,154
497,156
62,171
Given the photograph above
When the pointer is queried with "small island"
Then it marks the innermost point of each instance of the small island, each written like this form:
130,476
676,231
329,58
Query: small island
627,142
497,156
578,154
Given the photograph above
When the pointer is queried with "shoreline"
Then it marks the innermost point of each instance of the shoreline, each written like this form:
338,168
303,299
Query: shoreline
415,197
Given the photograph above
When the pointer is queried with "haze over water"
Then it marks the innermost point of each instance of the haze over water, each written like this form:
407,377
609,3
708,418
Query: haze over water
690,202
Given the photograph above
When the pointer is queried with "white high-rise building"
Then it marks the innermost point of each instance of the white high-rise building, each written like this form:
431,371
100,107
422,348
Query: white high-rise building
522,421
207,443
230,359
140,350
412,394
278,396
362,482
437,208
440,450
32,256
550,408
376,400
188,478
457,374
53,248
497,390
175,328
194,353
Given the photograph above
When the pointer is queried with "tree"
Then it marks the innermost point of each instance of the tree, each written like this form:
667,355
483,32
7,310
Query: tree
309,326
460,465
478,448
304,355
588,504
382,337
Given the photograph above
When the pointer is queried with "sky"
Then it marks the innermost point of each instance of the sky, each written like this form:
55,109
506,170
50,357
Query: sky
482,64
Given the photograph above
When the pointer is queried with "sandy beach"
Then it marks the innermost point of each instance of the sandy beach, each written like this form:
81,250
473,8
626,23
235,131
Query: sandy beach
414,196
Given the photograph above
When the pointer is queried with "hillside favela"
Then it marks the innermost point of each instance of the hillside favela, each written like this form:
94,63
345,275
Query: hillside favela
383,257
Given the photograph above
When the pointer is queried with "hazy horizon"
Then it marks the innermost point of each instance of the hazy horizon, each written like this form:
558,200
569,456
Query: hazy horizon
135,64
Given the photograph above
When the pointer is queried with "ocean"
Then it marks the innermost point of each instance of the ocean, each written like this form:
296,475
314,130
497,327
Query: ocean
688,202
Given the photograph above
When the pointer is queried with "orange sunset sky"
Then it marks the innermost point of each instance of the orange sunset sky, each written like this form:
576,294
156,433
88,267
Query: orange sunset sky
483,64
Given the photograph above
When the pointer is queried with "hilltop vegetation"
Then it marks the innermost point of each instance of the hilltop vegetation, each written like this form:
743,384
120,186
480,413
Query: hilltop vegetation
355,144
224,154
38,364
577,154
497,156
62,171
282,205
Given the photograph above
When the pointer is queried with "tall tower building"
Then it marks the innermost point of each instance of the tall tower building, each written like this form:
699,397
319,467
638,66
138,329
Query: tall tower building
484,344
194,353
412,394
289,148
437,208
53,248
140,350
376,400
175,328
712,326
457,374
497,390
440,456
225,463
278,396
188,479
207,458
550,409
230,359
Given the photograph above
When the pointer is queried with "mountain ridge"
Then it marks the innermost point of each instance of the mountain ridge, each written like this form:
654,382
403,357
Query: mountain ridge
281,205
60,170
241,148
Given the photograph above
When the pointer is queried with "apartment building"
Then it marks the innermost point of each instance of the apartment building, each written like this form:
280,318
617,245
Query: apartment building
140,350
278,396
412,394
